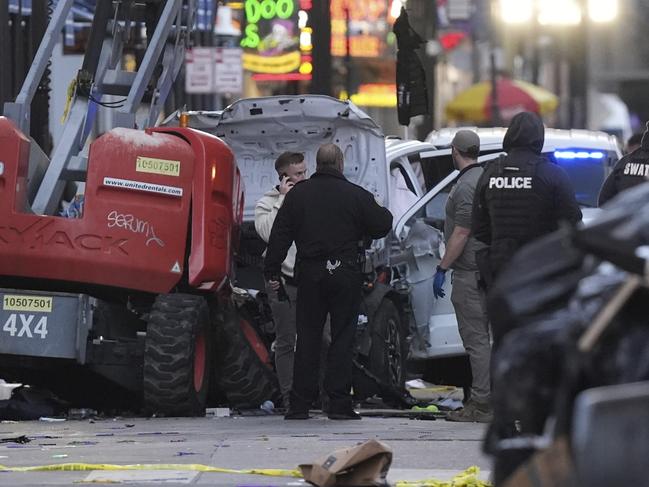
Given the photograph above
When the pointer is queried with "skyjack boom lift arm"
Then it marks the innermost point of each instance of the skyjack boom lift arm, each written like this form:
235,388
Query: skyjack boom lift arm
168,22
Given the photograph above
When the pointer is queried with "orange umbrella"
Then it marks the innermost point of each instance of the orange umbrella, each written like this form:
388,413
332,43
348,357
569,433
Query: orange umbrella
514,96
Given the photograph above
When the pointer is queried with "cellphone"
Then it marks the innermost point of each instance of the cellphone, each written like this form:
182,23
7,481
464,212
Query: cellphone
282,176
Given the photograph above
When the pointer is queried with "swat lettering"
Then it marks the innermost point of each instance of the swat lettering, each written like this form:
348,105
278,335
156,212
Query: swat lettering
636,169
510,183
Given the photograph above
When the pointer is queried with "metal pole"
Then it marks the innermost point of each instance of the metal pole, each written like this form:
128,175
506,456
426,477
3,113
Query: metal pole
320,20
348,55
496,119
579,73
5,53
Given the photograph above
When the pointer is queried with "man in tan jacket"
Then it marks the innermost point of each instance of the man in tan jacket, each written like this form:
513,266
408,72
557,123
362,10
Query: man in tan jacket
291,169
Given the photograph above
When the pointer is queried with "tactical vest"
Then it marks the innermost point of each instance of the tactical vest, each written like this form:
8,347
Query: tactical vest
635,171
517,211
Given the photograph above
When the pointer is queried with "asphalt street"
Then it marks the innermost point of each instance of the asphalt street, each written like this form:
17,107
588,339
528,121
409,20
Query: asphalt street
422,449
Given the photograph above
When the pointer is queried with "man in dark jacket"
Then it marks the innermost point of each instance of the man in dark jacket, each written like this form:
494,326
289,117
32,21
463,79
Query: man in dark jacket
631,170
520,197
326,216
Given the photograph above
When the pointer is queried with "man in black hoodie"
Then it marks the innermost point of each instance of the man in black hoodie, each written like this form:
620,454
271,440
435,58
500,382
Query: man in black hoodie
631,170
326,216
520,197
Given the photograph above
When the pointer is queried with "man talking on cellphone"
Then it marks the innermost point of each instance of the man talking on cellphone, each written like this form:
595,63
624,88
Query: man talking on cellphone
291,169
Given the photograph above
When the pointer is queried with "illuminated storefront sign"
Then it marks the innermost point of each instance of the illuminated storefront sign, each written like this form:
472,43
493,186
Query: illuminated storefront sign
383,95
368,25
276,39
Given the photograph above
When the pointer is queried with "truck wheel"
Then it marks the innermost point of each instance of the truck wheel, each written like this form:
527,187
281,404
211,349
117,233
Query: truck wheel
177,356
387,357
244,371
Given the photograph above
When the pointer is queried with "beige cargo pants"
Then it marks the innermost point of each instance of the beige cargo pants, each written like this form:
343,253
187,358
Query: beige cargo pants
470,306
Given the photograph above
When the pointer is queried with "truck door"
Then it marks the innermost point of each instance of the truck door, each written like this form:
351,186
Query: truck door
420,235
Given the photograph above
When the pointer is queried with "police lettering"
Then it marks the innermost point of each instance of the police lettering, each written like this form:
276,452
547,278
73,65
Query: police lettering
636,169
510,183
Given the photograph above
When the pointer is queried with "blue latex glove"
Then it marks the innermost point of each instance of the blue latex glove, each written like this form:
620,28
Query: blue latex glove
438,284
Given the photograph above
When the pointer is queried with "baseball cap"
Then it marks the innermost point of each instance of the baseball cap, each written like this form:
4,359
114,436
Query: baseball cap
466,141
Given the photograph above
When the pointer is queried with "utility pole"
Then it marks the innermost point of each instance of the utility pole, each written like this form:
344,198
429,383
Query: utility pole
579,69
320,20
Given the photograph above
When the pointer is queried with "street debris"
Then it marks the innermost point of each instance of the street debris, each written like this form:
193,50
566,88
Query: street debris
30,403
364,464
6,389
18,439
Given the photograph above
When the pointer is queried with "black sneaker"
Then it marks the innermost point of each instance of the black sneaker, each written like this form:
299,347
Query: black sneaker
297,415
351,414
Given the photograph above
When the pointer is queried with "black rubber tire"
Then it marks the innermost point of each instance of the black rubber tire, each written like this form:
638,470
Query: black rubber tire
389,349
175,325
387,355
245,380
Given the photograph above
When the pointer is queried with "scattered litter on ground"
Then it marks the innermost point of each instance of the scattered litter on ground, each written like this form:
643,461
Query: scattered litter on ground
218,412
431,408
60,455
155,433
418,384
452,404
6,389
18,439
81,413
401,413
30,403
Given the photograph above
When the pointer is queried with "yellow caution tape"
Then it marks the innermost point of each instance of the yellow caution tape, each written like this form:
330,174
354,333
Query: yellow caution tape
468,478
70,467
68,102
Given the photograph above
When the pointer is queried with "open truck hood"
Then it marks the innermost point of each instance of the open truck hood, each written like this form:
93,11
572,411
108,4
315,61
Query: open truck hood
260,129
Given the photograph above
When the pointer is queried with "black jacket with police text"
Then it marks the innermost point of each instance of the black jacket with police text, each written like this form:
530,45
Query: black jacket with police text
631,170
521,196
326,216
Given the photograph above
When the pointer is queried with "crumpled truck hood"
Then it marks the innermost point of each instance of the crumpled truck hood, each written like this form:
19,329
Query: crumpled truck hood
260,129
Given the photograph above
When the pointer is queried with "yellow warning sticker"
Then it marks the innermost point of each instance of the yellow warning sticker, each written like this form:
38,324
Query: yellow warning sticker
37,304
157,166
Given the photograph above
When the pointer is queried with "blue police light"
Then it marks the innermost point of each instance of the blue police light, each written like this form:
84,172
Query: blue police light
578,154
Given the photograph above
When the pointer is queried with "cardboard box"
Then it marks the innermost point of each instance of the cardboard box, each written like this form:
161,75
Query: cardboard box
366,464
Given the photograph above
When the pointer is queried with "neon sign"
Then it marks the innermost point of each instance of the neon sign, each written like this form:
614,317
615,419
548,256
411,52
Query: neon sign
267,10
276,40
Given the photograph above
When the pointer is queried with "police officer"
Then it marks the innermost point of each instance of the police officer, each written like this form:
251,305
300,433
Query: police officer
520,197
629,171
326,216
468,297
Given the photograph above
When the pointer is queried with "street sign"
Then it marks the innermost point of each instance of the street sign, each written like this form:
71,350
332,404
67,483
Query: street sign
459,10
199,70
228,70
